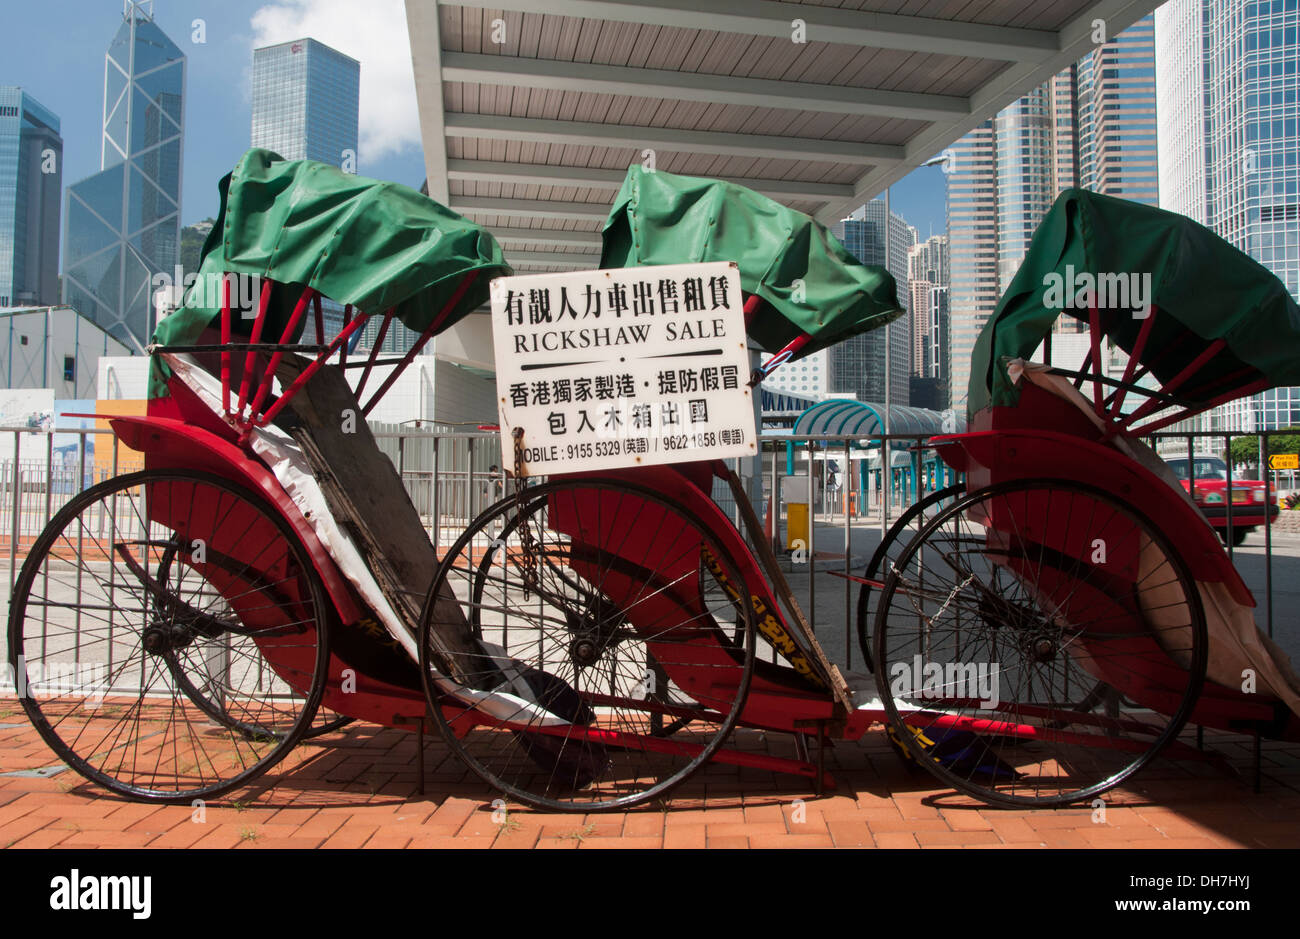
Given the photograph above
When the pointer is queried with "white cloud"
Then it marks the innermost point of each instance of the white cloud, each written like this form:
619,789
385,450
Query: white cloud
373,33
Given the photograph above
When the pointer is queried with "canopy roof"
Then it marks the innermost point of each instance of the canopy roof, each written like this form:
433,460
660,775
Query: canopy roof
1202,289
844,416
811,283
375,245
530,110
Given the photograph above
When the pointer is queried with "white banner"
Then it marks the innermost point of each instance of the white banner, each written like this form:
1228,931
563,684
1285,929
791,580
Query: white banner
623,367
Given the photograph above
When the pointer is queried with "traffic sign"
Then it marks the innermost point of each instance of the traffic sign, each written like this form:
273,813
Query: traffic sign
1284,461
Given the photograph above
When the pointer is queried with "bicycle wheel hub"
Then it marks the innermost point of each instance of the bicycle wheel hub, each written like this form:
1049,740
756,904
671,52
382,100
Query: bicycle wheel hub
1043,648
584,651
161,638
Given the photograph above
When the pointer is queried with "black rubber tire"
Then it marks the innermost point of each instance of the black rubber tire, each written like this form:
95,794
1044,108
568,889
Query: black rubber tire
1238,535
519,778
80,753
1157,730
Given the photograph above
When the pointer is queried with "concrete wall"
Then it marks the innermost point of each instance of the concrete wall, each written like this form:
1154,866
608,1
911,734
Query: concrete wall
122,377
34,345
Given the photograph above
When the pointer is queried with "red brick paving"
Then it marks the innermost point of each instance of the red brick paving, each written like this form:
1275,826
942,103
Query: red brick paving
357,789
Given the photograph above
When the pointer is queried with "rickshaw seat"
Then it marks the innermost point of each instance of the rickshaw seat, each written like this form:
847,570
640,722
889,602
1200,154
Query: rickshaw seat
361,485
1052,431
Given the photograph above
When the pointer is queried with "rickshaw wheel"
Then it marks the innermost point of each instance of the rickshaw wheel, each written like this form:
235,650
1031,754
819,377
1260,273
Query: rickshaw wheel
591,606
904,527
1044,658
112,660
209,699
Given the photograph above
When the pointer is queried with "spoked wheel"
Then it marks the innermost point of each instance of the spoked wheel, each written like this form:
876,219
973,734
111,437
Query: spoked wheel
178,579
613,669
1039,641
165,632
886,553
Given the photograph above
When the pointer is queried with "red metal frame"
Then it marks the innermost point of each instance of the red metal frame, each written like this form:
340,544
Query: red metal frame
779,698
180,431
1110,407
250,398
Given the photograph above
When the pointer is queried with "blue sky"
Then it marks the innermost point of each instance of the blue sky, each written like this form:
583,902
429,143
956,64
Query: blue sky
60,61
56,52
921,197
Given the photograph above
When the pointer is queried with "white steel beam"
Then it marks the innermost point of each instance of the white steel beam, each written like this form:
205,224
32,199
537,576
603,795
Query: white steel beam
1076,40
549,236
591,134
557,257
541,174
823,24
426,58
550,74
530,208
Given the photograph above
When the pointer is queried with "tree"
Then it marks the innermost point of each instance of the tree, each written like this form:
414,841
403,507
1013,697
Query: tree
1246,449
192,238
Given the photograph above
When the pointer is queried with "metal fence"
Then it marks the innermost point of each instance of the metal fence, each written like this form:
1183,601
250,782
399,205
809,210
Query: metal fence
452,476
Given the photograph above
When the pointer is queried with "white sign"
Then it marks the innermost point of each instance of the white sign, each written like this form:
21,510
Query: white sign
625,367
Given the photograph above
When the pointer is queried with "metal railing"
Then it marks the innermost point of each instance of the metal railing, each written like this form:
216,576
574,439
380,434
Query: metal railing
452,476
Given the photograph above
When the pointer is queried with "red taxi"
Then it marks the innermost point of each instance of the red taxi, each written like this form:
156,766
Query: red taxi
1249,500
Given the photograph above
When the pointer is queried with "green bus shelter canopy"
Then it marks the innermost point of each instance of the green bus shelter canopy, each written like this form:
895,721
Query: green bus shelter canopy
811,284
841,416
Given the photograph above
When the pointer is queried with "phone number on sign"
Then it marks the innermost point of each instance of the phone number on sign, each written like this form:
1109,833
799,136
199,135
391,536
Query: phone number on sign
704,438
603,448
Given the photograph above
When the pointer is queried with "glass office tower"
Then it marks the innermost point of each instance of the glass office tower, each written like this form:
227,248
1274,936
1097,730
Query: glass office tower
306,106
1091,125
123,223
857,364
927,275
306,102
1230,72
31,189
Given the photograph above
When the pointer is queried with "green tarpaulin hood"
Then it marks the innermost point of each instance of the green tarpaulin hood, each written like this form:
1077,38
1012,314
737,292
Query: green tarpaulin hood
1202,289
810,282
361,241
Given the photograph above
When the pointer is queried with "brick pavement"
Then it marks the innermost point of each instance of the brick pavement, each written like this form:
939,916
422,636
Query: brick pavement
356,789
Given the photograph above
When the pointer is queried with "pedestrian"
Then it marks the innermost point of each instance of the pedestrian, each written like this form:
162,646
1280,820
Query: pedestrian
833,482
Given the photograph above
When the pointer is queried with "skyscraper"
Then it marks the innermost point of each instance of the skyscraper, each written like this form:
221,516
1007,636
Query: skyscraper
31,188
124,222
306,102
857,364
1025,147
927,277
1117,115
1090,125
1230,148
306,106
972,250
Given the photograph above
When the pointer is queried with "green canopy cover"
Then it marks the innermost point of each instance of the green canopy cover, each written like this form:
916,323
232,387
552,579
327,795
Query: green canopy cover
810,282
356,241
1202,289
